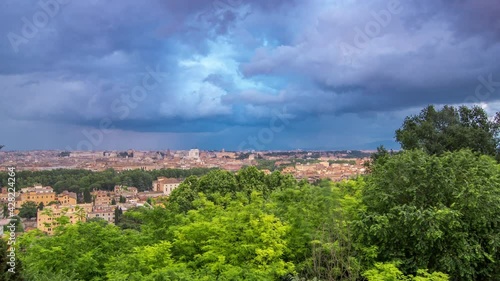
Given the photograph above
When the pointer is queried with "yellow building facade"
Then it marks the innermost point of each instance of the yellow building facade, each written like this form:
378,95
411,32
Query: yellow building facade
48,218
45,194
38,196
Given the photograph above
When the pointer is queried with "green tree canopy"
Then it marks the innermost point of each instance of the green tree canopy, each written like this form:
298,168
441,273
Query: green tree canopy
28,210
79,252
450,129
220,182
440,213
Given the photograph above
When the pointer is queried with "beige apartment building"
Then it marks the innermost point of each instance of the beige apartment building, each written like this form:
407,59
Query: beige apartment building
66,198
44,194
106,213
47,218
166,185
38,194
101,197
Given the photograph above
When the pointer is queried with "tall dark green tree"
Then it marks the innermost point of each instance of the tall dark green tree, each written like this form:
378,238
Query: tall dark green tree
87,197
28,210
118,214
450,129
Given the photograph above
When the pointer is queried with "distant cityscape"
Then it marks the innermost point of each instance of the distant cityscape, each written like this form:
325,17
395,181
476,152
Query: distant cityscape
310,165
51,205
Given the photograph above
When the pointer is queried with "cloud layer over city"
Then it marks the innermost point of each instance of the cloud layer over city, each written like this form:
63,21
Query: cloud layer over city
158,74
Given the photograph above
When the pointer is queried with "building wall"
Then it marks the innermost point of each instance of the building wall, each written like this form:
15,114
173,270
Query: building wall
101,198
66,200
169,187
47,223
42,197
108,216
165,185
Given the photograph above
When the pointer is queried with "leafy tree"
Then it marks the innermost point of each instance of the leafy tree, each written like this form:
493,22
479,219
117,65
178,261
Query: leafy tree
87,197
5,274
450,129
28,210
80,252
132,219
221,182
55,202
319,242
440,213
40,206
97,220
137,178
390,272
118,214
240,242
414,212
148,263
80,213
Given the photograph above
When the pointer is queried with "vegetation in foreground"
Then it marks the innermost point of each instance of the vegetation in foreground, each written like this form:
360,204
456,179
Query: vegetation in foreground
419,215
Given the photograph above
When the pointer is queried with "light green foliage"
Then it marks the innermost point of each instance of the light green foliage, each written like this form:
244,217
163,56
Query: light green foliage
147,263
390,272
79,250
240,242
384,272
237,242
424,275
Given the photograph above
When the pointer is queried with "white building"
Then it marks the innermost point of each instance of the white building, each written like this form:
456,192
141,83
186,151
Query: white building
194,154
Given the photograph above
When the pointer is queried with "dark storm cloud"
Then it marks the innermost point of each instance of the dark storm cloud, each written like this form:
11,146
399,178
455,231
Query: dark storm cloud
426,53
232,63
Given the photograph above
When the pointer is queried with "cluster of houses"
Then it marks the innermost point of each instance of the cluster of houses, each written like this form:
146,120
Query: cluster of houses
53,206
325,169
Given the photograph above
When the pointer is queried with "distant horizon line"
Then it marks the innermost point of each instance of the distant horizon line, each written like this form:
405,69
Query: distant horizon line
208,150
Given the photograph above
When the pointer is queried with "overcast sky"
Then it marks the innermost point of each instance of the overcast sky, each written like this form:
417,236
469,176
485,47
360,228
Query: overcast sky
235,74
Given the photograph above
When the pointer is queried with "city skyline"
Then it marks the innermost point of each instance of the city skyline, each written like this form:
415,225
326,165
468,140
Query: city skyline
237,75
